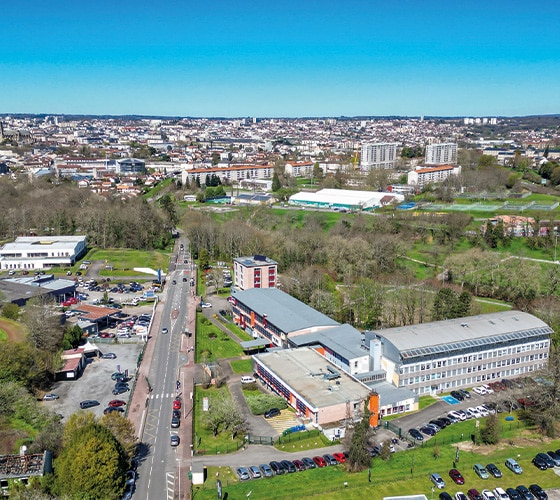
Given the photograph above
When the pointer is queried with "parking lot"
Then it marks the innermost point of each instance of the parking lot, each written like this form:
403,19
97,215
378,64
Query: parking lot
95,382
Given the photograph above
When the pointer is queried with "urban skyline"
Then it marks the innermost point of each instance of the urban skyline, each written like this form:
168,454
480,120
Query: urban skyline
291,59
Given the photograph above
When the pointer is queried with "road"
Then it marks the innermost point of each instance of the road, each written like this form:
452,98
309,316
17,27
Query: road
156,477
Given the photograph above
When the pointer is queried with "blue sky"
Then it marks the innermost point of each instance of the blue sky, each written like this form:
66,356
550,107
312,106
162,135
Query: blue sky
284,58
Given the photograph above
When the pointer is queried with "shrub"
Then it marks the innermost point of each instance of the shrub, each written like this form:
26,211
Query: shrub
260,403
10,311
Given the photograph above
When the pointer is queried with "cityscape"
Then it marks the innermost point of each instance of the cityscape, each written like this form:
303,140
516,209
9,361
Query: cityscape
279,250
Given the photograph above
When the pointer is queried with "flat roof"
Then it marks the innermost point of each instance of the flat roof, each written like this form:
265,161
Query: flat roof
347,197
282,310
34,242
252,344
344,340
462,333
305,371
255,261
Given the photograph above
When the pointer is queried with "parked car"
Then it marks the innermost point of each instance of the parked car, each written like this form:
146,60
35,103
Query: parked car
164,330
273,412
429,431
175,440
288,466
299,465
480,471
309,463
206,305
51,396
500,494
330,459
319,461
88,403
120,390
340,457
243,473
457,395
111,409
109,355
445,496
255,472
513,466
538,492
416,434
473,494
437,480
176,404
546,458
488,495
456,476
525,493
117,403
481,391
555,457
539,463
513,494
460,496
277,468
266,470
465,393
175,422
493,470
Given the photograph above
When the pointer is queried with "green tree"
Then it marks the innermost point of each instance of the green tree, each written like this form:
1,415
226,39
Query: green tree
490,431
123,430
385,452
92,465
275,183
10,311
167,203
203,258
358,454
72,338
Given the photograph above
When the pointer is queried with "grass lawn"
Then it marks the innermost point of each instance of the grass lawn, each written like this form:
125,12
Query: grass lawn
490,306
240,366
204,441
425,401
3,335
123,259
238,332
302,441
406,472
213,343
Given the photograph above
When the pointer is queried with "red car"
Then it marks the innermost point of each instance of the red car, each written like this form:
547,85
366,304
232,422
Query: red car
116,403
320,461
456,476
340,458
177,404
473,494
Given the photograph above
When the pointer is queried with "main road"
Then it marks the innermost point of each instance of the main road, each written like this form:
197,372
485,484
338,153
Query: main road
156,474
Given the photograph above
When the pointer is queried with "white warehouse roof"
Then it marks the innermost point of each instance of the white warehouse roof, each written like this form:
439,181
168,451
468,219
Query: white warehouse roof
343,198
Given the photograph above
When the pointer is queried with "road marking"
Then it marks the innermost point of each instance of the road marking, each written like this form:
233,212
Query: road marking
170,478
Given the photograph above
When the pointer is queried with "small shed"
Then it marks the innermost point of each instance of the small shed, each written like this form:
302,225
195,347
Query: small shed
198,472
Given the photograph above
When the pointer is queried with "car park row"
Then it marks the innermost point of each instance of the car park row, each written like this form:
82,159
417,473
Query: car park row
277,468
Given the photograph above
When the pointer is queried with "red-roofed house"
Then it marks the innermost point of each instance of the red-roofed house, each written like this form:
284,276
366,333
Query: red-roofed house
74,364
427,175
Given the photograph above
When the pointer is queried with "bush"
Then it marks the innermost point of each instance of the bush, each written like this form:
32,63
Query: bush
260,403
10,311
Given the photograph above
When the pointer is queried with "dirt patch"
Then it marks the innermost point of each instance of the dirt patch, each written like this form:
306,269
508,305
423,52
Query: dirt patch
518,442
8,439
14,330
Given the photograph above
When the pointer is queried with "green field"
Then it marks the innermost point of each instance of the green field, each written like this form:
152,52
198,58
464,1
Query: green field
126,259
212,343
241,366
407,472
3,335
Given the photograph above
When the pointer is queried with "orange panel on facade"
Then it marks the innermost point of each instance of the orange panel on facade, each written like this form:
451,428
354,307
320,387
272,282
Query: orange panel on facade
373,407
252,319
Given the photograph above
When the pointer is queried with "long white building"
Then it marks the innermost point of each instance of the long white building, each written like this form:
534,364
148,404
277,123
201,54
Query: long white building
428,175
39,252
378,156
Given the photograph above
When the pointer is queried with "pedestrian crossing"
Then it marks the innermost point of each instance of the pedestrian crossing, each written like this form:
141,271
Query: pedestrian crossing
284,421
170,485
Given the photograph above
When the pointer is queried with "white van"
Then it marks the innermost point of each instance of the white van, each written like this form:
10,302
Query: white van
247,380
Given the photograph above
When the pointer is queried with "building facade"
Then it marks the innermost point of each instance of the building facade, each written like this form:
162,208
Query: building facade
444,355
39,252
255,272
429,175
441,154
378,156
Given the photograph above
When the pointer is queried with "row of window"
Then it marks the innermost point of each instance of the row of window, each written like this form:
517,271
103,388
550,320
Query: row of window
495,353
472,369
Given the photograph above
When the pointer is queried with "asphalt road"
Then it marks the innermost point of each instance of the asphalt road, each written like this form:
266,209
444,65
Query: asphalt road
156,475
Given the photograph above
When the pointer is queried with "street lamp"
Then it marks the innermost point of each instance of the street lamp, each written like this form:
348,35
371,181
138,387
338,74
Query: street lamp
555,245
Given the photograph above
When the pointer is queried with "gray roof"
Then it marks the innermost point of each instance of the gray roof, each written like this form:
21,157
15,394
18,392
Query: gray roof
306,372
255,261
463,333
345,340
389,394
252,344
282,310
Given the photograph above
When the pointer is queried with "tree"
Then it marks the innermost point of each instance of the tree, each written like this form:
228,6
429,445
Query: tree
448,304
167,203
123,430
43,325
92,465
385,452
490,431
275,183
358,455
10,311
72,338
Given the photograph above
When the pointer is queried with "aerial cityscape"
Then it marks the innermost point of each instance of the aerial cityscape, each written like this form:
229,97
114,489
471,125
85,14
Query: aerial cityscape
279,251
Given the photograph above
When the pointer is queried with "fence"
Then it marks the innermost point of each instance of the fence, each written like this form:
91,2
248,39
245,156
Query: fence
251,439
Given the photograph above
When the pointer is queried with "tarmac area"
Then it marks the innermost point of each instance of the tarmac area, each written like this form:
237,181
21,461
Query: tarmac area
95,382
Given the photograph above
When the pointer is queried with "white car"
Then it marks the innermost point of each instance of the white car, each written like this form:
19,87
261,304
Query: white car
487,388
206,305
483,411
460,496
457,415
500,494
481,391
488,495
